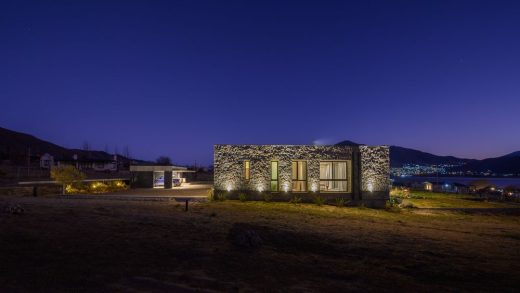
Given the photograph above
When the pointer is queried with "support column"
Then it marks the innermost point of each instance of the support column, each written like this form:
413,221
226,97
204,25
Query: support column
167,179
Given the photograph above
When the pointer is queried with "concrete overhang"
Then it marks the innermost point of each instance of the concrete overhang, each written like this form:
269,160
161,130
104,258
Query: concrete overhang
149,168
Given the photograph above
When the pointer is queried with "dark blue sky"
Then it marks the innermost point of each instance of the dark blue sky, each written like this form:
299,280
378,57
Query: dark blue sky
175,77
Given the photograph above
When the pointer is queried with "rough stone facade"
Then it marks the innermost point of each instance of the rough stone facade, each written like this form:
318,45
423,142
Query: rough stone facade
369,169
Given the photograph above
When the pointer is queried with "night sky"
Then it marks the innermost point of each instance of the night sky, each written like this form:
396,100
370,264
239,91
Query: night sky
175,78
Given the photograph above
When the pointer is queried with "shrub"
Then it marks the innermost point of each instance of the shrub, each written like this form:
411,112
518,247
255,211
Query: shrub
117,185
340,201
97,187
211,194
242,197
406,205
221,195
267,197
318,200
392,202
295,199
69,177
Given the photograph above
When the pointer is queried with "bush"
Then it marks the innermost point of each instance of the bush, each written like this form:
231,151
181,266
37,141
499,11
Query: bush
267,197
221,195
406,205
211,194
69,177
242,197
318,200
392,202
340,202
295,199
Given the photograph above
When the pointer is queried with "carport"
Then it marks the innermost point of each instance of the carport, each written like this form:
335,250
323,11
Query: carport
151,176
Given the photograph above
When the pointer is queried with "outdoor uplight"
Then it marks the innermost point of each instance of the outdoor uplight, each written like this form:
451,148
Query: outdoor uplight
313,188
286,187
260,189
228,188
370,187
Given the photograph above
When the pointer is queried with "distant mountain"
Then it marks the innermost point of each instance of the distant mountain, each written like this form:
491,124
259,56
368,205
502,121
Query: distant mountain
15,146
513,154
348,143
508,164
400,156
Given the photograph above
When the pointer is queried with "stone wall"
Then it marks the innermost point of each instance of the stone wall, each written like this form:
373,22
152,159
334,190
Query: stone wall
228,164
375,175
370,169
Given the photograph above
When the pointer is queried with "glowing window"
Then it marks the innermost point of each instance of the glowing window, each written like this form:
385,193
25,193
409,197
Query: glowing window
335,176
274,176
299,176
247,170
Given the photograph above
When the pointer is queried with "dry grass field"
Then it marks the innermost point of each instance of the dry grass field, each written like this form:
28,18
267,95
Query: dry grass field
155,246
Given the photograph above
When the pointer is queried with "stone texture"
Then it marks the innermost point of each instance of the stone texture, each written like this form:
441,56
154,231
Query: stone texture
375,166
369,176
375,175
228,164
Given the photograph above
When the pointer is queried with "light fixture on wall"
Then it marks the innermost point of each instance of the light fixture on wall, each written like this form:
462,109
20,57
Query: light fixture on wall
370,186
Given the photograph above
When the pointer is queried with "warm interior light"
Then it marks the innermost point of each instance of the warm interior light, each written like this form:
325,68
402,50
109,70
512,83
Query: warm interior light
313,188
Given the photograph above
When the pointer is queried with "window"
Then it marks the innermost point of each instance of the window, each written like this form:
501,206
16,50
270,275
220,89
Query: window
299,176
274,176
247,170
335,176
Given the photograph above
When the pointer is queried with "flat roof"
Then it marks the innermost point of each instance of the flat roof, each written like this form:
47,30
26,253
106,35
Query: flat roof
147,168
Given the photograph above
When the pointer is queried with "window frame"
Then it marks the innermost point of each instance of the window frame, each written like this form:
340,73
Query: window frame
247,170
348,180
277,176
297,176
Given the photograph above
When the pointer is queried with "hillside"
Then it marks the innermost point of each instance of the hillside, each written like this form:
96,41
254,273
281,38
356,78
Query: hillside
400,156
14,146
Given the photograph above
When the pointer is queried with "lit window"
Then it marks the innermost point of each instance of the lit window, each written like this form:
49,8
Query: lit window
247,170
299,176
335,176
274,176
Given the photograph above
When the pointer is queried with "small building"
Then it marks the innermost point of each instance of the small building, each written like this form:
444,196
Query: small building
428,186
90,164
152,176
359,174
46,161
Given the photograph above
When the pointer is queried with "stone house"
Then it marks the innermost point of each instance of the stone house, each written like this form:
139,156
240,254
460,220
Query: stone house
359,174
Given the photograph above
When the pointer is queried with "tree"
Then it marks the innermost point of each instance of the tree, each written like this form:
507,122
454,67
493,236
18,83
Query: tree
67,176
164,161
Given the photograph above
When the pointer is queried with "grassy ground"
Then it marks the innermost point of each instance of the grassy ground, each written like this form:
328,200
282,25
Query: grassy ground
425,199
104,245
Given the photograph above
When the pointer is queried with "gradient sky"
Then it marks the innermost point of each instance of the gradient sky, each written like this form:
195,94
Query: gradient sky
175,77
